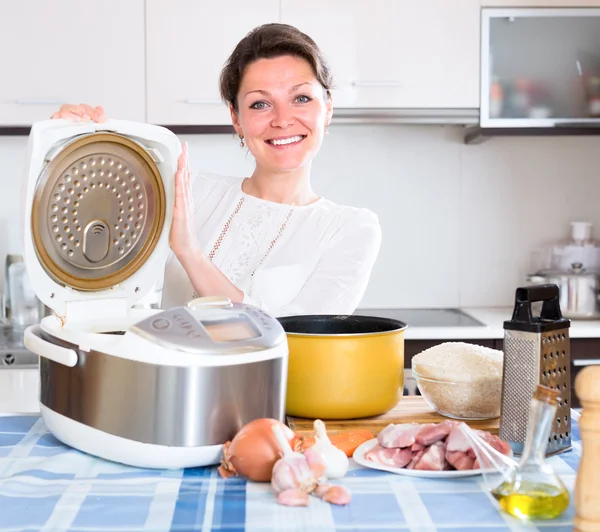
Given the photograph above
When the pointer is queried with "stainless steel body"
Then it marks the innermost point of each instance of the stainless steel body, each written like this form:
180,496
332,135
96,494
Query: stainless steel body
579,291
536,351
159,404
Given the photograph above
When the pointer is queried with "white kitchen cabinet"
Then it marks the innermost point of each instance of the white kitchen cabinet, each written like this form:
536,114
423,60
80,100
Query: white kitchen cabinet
386,53
71,51
188,43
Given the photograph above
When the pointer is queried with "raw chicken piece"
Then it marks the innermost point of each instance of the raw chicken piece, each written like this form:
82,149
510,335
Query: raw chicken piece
431,433
415,459
401,435
389,457
433,459
415,447
460,453
495,441
457,441
460,460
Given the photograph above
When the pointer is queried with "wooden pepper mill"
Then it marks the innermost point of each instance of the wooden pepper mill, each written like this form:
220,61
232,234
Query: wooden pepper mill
587,492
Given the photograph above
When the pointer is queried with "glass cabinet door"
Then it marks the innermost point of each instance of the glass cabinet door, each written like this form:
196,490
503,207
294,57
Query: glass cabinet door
540,67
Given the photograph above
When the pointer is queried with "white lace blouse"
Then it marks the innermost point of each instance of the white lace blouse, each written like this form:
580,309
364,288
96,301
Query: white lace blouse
320,264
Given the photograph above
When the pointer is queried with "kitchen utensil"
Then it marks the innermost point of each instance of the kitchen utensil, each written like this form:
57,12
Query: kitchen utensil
587,495
411,409
343,367
536,351
579,290
143,387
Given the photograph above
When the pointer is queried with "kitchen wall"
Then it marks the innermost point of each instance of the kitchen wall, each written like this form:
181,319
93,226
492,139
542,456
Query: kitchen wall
459,222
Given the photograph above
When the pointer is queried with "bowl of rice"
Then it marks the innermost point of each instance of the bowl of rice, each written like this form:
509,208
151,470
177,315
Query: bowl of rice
460,380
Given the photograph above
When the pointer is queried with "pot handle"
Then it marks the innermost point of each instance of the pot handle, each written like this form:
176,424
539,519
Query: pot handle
34,342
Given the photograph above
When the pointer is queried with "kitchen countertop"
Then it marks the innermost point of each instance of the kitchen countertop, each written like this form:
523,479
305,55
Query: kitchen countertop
47,485
492,329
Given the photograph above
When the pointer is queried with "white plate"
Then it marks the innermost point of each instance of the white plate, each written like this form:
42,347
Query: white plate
361,450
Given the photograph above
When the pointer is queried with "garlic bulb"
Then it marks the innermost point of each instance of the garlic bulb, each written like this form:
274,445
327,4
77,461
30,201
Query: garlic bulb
295,471
336,461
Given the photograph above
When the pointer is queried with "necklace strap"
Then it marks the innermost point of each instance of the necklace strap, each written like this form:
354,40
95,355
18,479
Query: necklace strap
225,230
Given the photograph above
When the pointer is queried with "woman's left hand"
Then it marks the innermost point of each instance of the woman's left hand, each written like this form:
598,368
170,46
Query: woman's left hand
182,238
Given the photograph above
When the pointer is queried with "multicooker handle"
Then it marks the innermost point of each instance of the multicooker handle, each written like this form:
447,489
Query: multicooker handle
34,342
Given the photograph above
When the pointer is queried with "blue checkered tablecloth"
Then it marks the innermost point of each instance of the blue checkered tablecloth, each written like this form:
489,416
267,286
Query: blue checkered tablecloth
47,486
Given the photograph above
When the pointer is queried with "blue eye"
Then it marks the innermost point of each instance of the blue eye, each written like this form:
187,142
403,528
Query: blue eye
303,99
258,105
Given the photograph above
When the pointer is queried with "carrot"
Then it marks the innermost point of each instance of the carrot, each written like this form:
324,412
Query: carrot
347,440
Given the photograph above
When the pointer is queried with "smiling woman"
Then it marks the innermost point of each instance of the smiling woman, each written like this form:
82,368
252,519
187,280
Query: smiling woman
268,239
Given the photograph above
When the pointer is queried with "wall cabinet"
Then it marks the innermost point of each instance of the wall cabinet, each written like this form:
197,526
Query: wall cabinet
188,43
68,51
386,53
154,61
539,3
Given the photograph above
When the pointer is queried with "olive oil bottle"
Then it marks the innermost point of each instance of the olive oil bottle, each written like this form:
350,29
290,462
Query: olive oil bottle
533,490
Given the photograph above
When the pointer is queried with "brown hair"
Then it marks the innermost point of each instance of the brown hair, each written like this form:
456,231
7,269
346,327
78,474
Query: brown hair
266,42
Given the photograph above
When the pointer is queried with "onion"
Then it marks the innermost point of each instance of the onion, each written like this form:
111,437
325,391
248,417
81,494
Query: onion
253,451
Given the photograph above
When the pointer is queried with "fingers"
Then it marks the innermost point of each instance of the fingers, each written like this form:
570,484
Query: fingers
101,116
180,198
94,113
183,196
187,180
80,113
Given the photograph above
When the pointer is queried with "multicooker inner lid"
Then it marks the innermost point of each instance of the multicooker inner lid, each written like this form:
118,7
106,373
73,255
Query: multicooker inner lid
98,211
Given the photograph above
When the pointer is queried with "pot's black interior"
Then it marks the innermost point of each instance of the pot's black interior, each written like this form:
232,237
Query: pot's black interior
332,324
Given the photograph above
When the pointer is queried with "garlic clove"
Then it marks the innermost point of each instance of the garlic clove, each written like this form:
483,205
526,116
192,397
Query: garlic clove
321,489
315,462
292,470
292,473
337,495
293,497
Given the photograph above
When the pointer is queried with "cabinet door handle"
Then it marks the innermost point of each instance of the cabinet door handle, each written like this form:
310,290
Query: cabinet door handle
377,84
38,101
203,101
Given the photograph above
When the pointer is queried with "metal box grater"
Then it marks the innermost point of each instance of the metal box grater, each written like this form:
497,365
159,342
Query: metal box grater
536,351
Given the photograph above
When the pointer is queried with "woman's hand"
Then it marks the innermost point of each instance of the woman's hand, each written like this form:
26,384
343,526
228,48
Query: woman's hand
183,235
80,113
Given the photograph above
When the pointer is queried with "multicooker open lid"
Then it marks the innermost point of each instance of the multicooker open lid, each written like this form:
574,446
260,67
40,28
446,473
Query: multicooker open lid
98,203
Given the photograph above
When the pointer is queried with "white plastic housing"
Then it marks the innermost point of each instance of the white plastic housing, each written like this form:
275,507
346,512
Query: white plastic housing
45,141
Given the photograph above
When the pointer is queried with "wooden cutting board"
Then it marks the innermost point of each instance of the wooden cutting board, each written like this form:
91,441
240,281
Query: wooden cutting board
411,409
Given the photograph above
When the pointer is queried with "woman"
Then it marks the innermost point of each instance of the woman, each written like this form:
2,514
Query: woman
268,240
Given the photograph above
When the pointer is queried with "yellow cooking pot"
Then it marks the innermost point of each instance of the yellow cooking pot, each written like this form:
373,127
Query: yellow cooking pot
343,367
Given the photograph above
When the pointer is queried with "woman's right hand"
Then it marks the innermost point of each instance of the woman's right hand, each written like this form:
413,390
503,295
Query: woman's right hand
81,113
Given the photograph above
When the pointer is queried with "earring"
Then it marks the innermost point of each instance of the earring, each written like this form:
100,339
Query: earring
326,130
241,141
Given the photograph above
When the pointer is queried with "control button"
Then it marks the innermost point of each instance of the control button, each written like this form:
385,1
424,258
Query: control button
194,334
186,325
178,317
161,324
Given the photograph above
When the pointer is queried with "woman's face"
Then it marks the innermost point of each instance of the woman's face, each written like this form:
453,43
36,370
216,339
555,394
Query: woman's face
282,113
